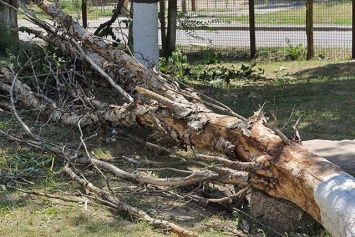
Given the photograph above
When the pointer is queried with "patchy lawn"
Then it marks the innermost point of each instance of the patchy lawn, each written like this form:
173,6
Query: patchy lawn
321,92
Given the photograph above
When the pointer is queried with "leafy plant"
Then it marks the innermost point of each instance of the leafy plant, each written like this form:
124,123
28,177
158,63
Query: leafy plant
236,217
211,57
175,65
222,74
251,71
294,53
25,163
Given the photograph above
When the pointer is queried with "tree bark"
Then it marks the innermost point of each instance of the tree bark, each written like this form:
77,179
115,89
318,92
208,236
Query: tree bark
289,170
171,29
8,18
309,29
8,15
162,19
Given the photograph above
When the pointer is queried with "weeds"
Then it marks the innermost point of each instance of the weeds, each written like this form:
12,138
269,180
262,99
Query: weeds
177,65
211,57
26,163
294,53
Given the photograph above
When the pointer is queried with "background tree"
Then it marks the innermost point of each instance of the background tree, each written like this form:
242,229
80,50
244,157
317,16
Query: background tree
171,29
8,20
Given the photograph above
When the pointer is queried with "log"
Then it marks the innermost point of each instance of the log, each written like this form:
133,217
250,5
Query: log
289,171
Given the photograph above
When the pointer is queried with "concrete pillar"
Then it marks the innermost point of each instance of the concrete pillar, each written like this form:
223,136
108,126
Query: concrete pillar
145,32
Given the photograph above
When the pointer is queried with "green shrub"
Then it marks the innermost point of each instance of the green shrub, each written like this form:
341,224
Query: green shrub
294,53
175,65
211,57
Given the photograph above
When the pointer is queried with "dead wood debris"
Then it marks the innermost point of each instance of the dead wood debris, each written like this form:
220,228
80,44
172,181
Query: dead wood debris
251,151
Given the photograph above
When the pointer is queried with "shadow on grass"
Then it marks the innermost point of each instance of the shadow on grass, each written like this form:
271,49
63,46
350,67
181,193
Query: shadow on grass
326,106
329,71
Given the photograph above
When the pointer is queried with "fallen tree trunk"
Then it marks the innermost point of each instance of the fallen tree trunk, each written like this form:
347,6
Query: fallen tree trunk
289,170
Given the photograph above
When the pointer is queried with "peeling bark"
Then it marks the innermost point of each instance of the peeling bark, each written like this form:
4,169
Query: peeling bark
287,169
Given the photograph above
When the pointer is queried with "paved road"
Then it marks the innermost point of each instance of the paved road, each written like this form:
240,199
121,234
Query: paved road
240,38
269,38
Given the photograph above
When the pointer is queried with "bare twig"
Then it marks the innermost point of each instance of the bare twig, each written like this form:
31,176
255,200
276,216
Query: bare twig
102,72
129,210
168,169
89,157
224,199
100,31
279,133
229,163
27,129
297,136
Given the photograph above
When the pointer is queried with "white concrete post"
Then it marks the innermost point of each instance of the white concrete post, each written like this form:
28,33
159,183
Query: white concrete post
145,32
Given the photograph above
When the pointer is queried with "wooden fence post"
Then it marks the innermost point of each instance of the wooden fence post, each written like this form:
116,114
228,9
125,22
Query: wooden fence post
252,28
183,7
171,29
84,13
162,18
353,30
309,29
193,5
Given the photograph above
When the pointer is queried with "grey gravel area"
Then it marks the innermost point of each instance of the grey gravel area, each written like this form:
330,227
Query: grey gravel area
341,153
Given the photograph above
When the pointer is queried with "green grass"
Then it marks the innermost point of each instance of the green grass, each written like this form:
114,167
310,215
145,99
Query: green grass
32,215
92,12
321,92
325,107
333,14
25,216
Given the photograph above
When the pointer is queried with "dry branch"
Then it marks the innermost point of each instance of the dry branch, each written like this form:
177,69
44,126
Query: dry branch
109,199
224,199
127,209
289,170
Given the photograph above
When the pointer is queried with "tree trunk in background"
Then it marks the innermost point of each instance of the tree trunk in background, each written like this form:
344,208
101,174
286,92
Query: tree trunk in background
8,15
8,20
193,5
130,30
183,7
145,33
124,9
171,31
309,29
162,19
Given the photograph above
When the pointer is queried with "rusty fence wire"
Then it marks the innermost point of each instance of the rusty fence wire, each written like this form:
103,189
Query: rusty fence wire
225,25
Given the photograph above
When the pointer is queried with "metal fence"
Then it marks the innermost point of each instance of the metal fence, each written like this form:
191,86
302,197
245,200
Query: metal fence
227,25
